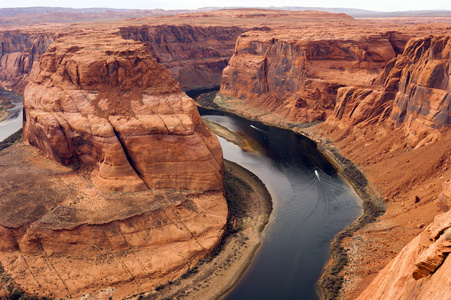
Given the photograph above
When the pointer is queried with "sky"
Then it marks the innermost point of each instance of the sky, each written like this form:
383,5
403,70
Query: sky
379,5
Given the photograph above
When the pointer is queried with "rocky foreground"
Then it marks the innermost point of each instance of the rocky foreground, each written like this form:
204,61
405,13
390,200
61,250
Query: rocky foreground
127,191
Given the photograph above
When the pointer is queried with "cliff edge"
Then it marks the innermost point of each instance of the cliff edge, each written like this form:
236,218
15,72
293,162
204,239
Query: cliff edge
396,130
127,191
295,75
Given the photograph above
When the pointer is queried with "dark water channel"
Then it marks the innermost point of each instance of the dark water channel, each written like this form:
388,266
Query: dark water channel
309,208
311,205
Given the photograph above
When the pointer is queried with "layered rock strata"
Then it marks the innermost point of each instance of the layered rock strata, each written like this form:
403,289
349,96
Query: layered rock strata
109,105
390,118
19,52
412,92
194,55
421,270
397,131
296,76
137,197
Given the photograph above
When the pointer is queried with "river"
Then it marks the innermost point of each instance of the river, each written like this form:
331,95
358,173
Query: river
14,120
312,203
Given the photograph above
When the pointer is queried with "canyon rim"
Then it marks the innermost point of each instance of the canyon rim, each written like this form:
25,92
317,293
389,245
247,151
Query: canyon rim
374,91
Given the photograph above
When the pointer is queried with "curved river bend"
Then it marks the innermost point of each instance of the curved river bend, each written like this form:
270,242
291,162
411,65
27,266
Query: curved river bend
311,204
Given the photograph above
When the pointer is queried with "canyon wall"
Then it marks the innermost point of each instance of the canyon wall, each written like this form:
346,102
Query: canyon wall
296,74
119,111
127,191
386,105
422,269
397,131
194,55
19,52
412,92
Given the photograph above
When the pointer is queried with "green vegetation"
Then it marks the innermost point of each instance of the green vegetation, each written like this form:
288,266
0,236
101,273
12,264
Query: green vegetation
332,280
7,100
207,100
3,114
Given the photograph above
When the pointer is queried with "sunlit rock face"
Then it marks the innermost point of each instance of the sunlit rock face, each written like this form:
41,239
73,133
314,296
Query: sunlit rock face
413,92
421,270
108,104
403,119
124,192
296,74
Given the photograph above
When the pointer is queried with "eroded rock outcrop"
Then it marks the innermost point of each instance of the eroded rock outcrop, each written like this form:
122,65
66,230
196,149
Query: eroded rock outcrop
19,52
397,131
421,270
413,92
110,105
444,199
194,55
137,197
297,76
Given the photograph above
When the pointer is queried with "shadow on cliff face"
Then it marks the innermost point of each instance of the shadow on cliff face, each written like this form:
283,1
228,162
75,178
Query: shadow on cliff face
198,94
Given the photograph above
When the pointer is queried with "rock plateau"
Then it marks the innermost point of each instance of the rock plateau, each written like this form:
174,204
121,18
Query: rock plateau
137,197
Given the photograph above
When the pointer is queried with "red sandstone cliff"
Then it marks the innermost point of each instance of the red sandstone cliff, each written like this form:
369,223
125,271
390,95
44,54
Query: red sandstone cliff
422,269
397,131
137,198
114,108
19,52
194,55
296,74
369,124
391,118
412,92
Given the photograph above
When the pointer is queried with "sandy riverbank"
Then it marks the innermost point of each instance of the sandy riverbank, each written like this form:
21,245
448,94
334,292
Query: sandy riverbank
249,208
225,133
7,100
380,167
332,279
